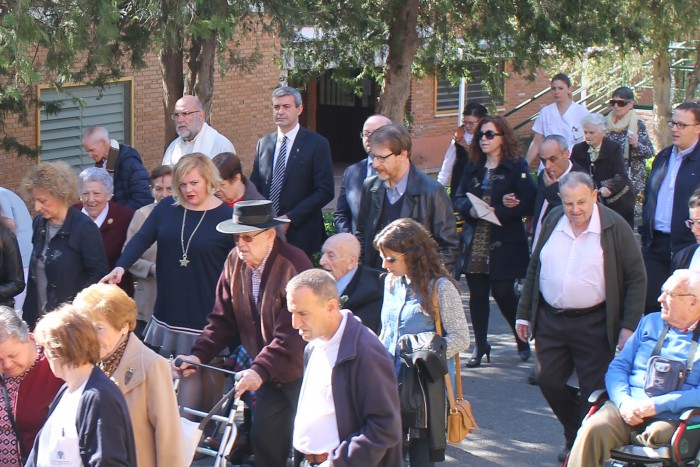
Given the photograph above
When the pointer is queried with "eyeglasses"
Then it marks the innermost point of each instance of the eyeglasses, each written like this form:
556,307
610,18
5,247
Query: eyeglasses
680,125
365,134
391,259
618,102
382,159
186,113
246,237
668,293
490,134
692,222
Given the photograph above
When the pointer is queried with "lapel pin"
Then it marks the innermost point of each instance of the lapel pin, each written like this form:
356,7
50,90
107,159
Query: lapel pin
129,374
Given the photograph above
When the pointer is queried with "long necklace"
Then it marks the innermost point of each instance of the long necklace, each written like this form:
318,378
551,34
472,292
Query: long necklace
184,261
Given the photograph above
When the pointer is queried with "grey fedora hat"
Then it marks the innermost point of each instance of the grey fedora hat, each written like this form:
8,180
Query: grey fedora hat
249,216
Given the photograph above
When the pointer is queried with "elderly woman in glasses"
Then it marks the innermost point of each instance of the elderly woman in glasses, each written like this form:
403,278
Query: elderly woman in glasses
624,126
602,158
30,387
494,254
68,254
96,189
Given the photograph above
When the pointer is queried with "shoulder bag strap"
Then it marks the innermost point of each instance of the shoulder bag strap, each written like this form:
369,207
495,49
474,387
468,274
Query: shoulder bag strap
458,373
8,406
691,353
660,341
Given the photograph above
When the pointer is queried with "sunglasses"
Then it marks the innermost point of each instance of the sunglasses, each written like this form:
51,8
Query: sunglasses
490,134
391,259
246,237
618,102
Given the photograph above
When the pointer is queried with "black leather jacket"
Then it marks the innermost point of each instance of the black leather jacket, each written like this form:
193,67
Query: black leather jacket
422,389
11,271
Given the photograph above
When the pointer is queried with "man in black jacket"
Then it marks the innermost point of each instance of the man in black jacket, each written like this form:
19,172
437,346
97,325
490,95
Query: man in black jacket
401,190
360,288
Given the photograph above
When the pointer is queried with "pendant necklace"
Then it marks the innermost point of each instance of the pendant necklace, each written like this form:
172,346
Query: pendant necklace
184,261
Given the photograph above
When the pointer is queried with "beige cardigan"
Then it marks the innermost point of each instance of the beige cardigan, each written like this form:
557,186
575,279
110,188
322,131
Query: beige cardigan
144,378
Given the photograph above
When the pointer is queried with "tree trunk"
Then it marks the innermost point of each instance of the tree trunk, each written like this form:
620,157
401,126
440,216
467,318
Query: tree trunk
691,87
201,68
171,63
403,44
661,75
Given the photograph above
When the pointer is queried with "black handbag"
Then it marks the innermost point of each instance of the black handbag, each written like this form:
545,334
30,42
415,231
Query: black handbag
666,375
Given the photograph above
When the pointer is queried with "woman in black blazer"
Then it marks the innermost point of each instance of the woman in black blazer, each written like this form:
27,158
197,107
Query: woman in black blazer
495,255
602,158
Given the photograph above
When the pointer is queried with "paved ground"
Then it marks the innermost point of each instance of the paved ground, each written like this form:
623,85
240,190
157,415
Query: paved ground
517,426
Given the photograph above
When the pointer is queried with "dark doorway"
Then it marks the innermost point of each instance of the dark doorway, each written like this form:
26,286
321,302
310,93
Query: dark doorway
341,114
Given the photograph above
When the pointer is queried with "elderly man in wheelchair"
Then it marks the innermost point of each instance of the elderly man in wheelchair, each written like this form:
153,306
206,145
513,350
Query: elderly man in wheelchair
651,385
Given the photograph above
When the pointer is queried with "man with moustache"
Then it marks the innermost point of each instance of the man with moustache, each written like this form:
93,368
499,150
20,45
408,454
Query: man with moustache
250,304
193,133
345,215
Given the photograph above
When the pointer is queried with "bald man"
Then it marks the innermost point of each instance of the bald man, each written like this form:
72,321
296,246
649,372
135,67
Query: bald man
360,288
193,133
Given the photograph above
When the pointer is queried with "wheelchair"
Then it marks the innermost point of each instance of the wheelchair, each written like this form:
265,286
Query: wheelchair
684,449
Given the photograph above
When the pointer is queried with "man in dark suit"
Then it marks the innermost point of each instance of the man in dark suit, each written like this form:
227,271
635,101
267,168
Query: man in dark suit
361,291
554,155
293,169
398,190
345,215
674,176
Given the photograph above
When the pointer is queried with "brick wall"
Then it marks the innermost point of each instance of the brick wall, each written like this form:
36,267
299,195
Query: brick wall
241,111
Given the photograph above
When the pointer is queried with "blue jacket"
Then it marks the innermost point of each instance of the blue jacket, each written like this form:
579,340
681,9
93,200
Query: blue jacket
348,206
625,376
509,251
75,259
366,398
687,180
105,436
131,179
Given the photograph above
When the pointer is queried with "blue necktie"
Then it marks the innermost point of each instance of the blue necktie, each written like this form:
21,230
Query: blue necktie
278,175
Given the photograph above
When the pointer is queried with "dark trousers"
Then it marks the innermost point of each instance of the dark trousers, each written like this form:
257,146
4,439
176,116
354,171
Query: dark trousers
480,285
564,344
657,262
273,421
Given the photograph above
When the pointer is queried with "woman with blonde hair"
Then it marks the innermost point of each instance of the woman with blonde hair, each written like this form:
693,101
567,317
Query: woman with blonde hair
88,422
64,241
142,375
190,258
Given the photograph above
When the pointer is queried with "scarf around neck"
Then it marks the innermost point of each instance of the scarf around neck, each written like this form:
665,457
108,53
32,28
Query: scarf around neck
628,123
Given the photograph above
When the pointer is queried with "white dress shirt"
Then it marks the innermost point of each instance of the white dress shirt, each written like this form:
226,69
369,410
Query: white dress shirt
101,217
572,274
291,136
315,426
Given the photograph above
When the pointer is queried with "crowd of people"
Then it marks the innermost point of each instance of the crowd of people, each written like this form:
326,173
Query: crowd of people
200,262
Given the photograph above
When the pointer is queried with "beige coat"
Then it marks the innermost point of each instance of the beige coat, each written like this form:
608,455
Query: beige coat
145,294
144,378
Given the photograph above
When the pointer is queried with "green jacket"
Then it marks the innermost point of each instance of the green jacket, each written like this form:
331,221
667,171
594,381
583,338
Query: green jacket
625,276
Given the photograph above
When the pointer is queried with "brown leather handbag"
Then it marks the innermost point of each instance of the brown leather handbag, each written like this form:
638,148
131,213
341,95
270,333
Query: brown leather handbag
460,419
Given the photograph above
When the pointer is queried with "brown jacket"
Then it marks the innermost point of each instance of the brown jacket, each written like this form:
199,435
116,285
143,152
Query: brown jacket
144,378
266,330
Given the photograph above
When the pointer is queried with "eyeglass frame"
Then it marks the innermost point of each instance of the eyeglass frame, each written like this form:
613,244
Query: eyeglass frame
186,113
668,293
381,159
692,222
681,126
391,259
247,238
364,135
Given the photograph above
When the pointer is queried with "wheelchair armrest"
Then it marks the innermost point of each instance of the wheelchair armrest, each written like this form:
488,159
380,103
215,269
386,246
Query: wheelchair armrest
688,414
598,396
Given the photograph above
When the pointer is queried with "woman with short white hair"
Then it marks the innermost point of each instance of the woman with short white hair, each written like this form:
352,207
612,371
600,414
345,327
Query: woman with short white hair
602,158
